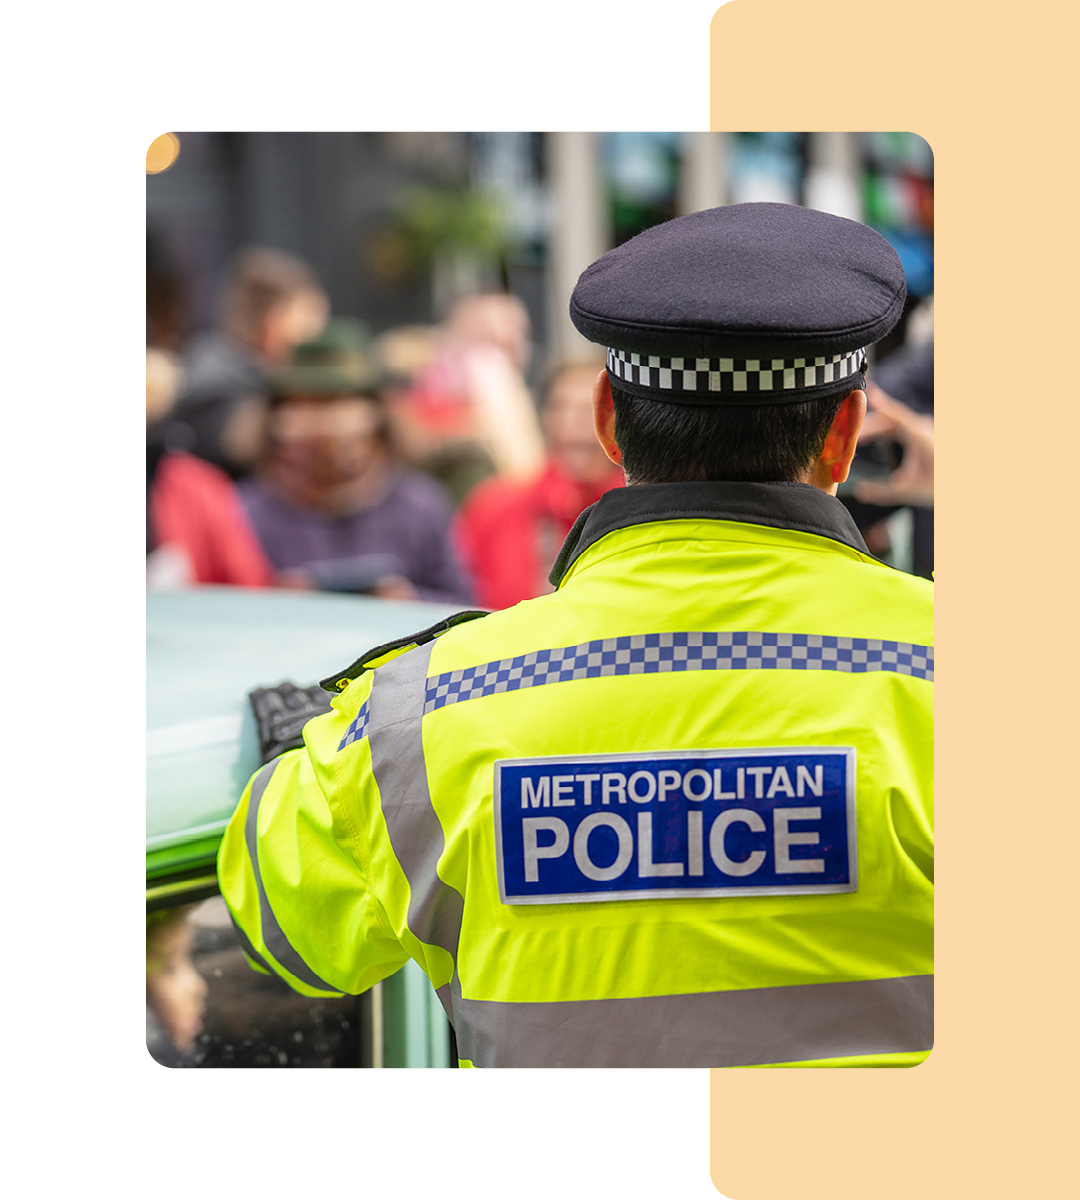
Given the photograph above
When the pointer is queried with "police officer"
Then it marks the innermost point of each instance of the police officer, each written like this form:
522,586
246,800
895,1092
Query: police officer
677,812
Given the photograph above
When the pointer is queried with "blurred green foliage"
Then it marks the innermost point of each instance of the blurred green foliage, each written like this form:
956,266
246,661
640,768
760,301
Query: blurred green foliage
434,220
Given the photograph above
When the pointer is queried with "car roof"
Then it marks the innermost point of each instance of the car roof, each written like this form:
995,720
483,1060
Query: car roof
206,648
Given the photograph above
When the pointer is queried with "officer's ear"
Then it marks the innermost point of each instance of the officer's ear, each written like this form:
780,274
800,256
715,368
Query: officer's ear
834,462
604,417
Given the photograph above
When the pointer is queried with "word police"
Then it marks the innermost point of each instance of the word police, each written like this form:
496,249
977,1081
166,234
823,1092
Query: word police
720,822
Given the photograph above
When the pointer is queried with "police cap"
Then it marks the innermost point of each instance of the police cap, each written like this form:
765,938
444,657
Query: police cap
745,304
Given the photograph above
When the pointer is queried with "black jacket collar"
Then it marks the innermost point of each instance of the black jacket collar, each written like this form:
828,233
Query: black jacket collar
797,506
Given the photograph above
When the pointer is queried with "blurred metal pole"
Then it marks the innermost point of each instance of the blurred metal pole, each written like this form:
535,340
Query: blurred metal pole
579,228
370,1027
703,178
834,175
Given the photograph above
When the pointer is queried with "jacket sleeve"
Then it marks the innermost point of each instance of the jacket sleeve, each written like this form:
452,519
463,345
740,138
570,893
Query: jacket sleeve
296,884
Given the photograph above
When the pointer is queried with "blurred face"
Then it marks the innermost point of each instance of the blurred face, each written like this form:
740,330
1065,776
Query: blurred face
568,426
174,989
501,321
164,378
325,439
298,318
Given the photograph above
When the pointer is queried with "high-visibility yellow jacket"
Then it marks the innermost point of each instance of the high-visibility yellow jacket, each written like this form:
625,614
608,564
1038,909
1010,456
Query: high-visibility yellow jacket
676,813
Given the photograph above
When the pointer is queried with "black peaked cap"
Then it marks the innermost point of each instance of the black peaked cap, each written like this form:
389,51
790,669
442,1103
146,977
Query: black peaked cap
747,303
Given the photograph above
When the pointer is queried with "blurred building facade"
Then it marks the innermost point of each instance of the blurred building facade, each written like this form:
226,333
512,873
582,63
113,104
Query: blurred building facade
397,225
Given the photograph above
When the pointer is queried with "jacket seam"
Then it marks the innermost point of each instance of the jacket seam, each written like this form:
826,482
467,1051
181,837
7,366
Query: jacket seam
656,516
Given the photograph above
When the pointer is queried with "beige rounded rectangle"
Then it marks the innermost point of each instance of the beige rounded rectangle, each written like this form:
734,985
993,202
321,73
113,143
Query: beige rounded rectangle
989,1113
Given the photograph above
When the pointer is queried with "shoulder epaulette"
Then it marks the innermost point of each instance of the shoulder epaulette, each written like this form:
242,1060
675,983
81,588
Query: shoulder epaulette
379,654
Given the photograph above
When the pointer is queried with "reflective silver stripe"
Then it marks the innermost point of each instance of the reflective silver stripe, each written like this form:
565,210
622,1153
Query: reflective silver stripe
396,711
248,948
273,935
706,1029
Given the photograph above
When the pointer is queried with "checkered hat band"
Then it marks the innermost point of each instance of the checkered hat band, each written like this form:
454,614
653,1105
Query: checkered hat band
732,376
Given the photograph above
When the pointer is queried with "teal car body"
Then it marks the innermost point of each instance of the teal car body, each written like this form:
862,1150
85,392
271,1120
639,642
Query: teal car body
206,649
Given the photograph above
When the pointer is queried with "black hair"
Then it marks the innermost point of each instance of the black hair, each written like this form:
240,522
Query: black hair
663,442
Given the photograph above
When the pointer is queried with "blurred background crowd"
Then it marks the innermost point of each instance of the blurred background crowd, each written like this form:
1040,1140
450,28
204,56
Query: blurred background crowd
360,372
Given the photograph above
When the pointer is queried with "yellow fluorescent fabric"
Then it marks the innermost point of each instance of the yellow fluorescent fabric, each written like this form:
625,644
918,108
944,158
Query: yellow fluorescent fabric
315,878
347,906
858,1060
911,1059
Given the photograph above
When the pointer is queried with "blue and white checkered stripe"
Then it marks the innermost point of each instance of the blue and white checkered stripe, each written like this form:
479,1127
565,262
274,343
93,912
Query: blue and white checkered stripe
647,653
642,654
357,728
728,375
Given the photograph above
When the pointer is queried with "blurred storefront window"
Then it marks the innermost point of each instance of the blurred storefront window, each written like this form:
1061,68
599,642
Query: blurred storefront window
898,199
766,166
642,177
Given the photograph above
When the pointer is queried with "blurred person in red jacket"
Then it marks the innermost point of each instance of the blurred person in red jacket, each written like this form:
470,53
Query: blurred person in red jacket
510,530
467,413
196,528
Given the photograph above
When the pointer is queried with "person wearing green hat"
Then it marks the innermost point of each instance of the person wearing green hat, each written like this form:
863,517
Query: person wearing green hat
332,506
